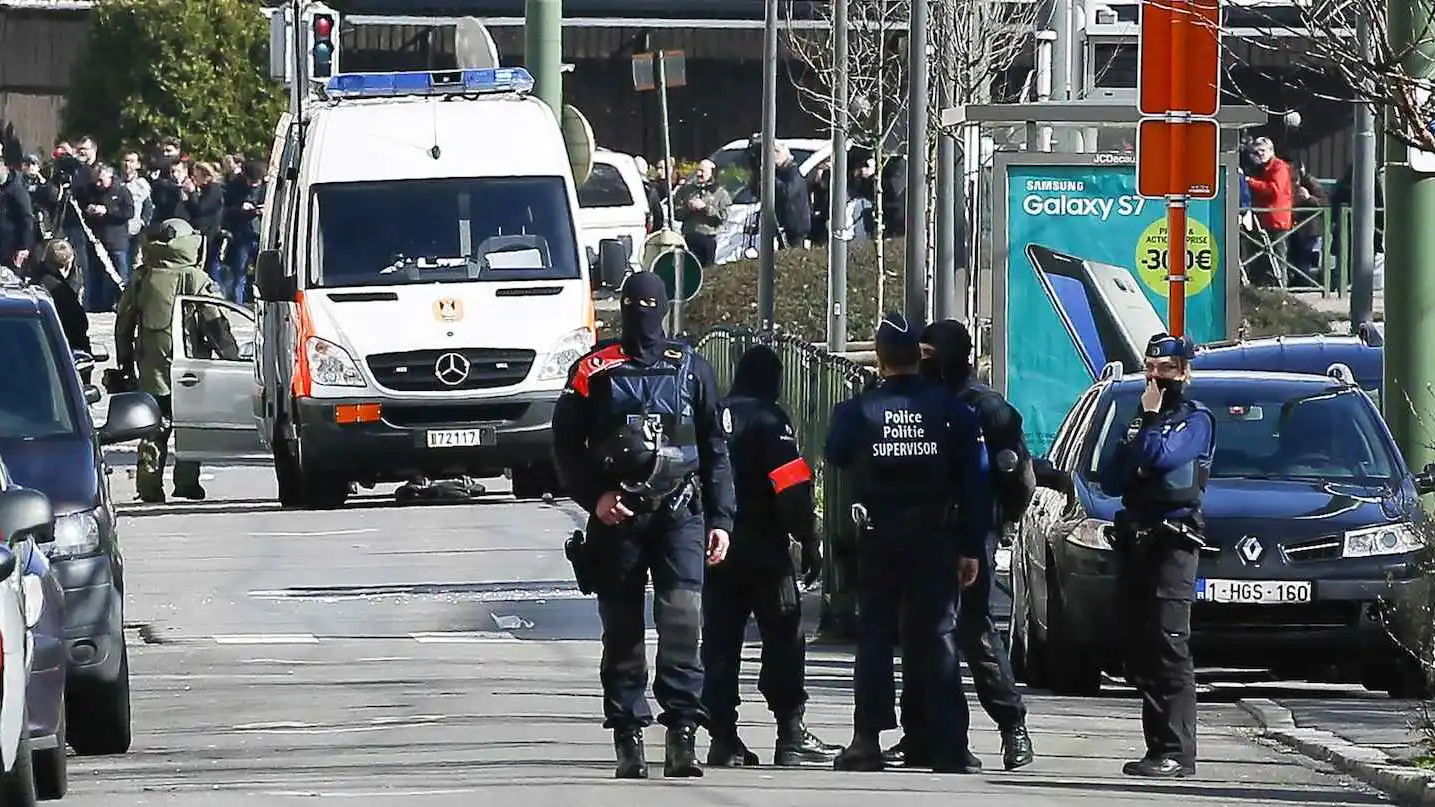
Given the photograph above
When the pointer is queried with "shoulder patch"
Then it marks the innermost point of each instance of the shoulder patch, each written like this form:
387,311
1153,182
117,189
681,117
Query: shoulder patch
727,421
673,353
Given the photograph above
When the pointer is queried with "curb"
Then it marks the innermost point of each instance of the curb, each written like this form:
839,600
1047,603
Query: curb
1372,766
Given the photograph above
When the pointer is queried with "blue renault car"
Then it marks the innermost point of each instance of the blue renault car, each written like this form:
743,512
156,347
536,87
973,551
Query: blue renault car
1315,536
1363,352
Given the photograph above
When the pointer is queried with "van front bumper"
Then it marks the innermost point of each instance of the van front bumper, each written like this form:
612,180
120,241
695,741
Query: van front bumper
393,446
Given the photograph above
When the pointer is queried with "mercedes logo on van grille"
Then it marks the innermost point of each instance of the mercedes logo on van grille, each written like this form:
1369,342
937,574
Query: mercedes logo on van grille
1250,549
451,369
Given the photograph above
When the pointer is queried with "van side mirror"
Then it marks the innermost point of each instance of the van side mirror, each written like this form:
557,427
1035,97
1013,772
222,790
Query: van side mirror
26,515
132,416
613,257
273,285
92,394
1425,480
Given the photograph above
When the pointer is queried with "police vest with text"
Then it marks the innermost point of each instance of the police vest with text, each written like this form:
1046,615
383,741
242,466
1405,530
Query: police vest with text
661,392
906,463
1182,486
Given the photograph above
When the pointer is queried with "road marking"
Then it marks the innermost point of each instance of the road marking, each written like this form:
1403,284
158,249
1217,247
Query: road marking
267,638
365,794
311,533
466,637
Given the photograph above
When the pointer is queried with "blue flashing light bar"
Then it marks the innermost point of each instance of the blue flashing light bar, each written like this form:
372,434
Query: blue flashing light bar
429,82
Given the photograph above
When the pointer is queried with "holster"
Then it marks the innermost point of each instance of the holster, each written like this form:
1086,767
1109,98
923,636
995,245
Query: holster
1131,536
904,519
672,503
581,557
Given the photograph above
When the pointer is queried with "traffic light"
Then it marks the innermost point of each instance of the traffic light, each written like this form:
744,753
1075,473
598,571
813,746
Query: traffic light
323,26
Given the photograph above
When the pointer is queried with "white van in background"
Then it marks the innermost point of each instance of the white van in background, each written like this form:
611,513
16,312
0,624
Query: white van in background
422,287
613,204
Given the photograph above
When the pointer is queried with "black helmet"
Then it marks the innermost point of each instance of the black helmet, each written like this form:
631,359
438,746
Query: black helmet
638,457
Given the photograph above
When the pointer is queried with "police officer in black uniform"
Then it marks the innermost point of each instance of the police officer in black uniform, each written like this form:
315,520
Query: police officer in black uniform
948,346
759,578
1160,472
670,524
924,513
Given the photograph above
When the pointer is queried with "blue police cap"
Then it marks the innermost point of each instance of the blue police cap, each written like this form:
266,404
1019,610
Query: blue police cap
1166,345
896,331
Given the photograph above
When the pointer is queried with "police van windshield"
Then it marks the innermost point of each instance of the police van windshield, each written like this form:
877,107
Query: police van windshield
1266,433
443,231
33,400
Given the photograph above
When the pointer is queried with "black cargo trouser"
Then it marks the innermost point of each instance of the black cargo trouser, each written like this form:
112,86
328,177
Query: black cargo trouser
734,593
1157,583
986,655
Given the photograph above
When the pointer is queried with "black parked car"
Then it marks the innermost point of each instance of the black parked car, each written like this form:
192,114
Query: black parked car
51,445
1314,530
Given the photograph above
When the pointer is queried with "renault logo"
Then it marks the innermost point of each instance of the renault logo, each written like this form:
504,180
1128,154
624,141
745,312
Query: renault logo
451,369
1250,549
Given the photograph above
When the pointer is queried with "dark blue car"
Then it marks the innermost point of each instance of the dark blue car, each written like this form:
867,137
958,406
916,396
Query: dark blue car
1314,530
1363,353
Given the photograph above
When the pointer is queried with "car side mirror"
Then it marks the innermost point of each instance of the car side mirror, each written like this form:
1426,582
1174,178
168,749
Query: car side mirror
26,515
613,258
99,354
1051,477
273,285
84,362
92,394
246,351
132,416
7,562
1425,480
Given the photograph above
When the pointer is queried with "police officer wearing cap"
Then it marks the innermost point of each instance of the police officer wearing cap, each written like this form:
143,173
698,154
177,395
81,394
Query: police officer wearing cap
1160,470
760,577
639,445
923,514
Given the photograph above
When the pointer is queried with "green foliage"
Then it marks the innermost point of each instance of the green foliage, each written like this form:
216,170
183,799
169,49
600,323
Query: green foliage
192,69
1272,312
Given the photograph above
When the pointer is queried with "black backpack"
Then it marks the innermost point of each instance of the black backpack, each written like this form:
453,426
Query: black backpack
1001,428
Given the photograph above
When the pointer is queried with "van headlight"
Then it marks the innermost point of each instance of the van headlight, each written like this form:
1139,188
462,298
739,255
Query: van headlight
1091,534
1389,539
564,352
332,365
75,534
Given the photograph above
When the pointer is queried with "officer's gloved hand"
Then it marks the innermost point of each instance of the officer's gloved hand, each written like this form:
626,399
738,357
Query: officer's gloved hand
811,562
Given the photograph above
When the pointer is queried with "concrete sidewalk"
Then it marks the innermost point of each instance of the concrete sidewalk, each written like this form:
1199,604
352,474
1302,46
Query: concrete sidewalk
1369,738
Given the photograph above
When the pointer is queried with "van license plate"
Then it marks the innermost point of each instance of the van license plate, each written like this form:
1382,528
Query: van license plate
1257,592
461,438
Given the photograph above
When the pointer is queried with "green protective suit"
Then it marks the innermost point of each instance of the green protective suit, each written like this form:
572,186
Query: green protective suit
145,342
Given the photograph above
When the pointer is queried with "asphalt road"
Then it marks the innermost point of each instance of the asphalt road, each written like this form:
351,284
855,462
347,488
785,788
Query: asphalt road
436,655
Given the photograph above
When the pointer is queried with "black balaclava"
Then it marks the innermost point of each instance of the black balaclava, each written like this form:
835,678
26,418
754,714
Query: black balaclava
758,374
643,307
951,361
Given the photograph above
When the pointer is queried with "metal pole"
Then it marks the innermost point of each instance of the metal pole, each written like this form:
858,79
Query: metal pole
1362,199
660,77
1064,48
767,218
839,226
944,288
298,44
1409,253
918,96
543,50
1178,116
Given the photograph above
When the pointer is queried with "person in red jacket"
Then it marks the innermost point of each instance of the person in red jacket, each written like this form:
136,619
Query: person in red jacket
1272,189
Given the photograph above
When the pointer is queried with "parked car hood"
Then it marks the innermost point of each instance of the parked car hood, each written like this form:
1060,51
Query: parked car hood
61,468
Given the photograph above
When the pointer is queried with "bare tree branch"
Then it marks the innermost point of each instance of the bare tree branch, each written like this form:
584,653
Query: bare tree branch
876,65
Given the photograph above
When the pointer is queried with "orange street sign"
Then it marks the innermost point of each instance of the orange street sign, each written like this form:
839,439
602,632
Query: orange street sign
1199,72
1196,174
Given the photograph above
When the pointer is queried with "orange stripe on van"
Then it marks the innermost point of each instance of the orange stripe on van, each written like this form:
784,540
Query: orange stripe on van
590,316
303,382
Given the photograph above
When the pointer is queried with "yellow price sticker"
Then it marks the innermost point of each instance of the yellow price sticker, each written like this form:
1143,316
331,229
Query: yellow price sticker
1153,251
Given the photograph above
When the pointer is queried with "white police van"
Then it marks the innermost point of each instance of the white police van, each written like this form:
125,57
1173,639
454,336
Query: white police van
422,290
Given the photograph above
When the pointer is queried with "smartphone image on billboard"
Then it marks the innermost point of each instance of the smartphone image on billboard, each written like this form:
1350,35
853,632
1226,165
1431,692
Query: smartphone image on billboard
1103,308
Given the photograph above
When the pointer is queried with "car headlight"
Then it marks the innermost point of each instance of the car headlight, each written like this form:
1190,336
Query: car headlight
564,352
332,365
1091,533
1390,539
76,534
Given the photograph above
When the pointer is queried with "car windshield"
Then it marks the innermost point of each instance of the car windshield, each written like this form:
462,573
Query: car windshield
33,401
1325,434
604,187
735,174
443,230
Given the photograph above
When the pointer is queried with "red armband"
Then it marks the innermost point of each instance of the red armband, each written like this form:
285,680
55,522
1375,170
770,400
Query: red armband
790,474
595,364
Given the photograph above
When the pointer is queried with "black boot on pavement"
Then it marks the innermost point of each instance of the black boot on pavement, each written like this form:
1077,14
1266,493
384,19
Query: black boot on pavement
727,750
798,746
1016,747
632,759
681,759
1158,768
863,754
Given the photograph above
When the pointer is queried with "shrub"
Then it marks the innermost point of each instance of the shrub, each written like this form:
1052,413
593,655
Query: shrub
1273,312
193,69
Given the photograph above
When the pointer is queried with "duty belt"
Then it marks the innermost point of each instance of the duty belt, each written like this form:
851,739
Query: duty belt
671,503
1137,534
922,516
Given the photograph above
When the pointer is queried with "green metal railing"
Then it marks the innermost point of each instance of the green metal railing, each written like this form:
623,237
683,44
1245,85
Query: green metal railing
814,381
1331,269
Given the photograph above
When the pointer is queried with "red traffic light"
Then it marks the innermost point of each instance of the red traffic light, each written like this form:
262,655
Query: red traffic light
323,25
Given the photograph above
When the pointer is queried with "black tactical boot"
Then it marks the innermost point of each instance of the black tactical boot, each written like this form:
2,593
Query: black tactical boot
681,759
966,763
727,750
907,753
1158,768
1016,747
193,492
864,754
798,746
632,759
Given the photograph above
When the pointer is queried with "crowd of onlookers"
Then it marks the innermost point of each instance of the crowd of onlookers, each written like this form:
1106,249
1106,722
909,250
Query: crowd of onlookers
99,209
